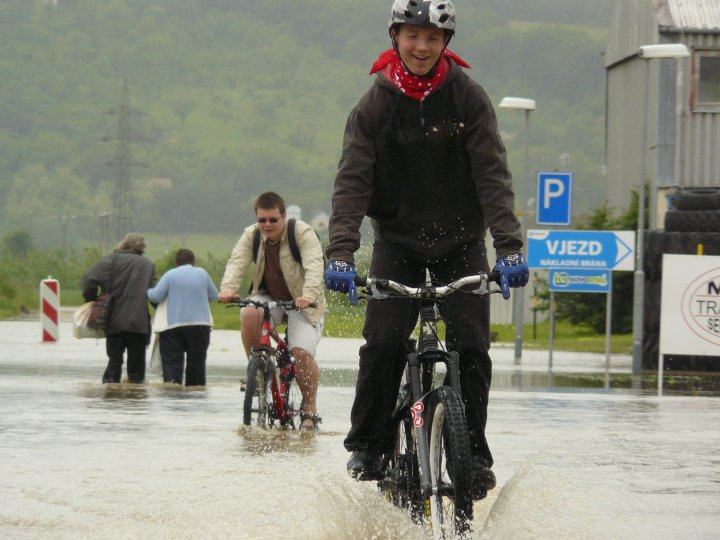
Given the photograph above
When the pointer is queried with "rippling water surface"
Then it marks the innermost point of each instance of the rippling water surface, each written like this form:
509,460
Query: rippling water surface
81,459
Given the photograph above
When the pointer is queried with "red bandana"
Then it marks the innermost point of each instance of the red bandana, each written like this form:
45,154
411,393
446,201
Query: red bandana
417,88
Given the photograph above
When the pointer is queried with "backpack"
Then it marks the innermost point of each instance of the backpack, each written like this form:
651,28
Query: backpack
292,240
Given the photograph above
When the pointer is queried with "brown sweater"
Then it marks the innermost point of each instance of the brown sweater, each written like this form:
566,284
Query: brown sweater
273,277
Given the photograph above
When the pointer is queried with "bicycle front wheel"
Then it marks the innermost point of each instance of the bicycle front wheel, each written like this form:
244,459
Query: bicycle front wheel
451,509
293,404
255,406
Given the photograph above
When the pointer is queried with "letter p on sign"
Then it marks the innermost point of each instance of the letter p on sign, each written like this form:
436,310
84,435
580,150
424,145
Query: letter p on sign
554,198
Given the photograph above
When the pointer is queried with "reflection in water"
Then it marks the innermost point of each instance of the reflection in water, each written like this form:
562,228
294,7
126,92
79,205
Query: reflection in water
261,441
129,392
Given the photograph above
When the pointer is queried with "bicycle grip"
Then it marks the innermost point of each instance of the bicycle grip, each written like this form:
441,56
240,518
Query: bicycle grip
360,281
494,276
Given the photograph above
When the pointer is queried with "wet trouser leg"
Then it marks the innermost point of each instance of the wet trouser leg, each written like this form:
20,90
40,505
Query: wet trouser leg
172,353
196,342
388,324
136,343
115,348
467,322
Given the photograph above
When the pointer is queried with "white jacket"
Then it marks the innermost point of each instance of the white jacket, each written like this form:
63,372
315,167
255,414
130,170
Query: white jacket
304,279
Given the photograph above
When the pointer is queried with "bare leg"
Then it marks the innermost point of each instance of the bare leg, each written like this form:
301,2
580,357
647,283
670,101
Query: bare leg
251,321
307,375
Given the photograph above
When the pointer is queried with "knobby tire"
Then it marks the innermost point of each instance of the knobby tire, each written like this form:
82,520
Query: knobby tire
255,386
451,509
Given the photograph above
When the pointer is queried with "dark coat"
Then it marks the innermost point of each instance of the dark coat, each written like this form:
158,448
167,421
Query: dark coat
132,276
432,175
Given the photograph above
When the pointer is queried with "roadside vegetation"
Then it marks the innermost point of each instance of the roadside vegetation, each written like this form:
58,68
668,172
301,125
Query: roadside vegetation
22,266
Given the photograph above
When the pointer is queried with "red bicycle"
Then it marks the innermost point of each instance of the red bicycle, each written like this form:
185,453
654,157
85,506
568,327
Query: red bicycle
271,391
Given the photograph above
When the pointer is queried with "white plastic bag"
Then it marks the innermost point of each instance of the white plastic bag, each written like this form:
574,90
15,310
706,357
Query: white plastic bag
159,324
80,328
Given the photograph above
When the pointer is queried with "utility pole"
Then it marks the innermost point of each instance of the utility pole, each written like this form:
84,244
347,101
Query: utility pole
123,164
64,221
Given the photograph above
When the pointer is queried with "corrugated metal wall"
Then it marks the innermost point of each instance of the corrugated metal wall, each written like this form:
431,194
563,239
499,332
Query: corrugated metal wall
698,150
633,24
624,131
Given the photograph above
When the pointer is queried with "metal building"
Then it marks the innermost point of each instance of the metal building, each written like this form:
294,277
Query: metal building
683,147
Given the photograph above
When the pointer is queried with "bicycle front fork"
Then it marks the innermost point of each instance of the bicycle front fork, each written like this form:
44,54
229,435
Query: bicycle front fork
418,413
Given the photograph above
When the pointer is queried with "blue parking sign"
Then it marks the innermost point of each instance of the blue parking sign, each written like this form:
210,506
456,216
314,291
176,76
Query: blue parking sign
554,199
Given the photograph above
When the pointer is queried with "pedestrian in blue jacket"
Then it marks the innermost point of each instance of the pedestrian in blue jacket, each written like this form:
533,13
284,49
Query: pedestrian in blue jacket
188,291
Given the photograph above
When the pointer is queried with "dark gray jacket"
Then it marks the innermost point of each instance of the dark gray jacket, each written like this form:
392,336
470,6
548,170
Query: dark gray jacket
432,175
132,276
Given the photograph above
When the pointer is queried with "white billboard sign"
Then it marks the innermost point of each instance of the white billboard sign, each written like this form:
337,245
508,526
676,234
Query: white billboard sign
690,309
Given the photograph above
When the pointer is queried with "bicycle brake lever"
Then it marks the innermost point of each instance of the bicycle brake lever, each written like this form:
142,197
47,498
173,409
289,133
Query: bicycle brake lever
376,293
481,290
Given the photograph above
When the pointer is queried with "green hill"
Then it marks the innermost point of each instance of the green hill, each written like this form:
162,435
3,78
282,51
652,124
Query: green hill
239,97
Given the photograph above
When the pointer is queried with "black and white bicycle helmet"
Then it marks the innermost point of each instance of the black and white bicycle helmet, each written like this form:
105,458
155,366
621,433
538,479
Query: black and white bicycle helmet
437,13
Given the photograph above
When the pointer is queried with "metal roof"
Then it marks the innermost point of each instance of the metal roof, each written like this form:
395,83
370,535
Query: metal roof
690,14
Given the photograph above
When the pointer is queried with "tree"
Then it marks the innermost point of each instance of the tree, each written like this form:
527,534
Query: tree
17,243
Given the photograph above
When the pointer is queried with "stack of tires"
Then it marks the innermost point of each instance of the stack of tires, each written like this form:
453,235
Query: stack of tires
693,220
695,210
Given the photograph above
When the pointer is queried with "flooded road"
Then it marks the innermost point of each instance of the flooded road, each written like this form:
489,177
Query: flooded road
81,459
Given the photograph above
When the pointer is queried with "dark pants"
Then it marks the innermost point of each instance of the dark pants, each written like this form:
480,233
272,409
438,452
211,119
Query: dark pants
174,344
388,325
115,345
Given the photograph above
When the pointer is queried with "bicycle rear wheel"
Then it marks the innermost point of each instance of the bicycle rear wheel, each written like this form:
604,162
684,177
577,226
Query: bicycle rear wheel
451,509
401,484
255,406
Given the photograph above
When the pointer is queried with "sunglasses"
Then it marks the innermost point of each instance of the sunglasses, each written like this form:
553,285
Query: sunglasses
271,220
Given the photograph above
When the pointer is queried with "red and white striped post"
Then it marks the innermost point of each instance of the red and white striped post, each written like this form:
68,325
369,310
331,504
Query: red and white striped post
50,309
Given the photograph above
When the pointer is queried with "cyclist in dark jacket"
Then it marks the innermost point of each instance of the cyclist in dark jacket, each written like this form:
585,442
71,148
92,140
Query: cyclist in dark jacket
129,276
423,158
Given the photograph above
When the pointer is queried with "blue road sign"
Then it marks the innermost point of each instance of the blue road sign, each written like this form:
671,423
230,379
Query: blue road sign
588,281
554,199
611,250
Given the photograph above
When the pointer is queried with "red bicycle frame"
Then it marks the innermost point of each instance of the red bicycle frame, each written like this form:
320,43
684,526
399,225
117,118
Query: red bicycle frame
285,366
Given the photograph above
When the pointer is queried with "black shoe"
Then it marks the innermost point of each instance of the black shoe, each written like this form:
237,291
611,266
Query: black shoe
483,479
365,465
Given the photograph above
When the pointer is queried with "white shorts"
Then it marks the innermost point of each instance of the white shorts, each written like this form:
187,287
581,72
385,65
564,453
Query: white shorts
301,333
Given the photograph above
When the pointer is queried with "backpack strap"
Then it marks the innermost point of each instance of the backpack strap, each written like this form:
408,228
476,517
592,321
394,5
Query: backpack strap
256,244
292,240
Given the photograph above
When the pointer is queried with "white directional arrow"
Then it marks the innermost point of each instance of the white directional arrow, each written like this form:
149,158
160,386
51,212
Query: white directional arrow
623,250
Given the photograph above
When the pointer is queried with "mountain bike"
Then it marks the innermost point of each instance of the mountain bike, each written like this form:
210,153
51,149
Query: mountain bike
272,394
429,470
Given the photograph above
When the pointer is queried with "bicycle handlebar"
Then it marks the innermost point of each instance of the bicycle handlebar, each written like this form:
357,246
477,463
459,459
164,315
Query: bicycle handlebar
238,301
384,288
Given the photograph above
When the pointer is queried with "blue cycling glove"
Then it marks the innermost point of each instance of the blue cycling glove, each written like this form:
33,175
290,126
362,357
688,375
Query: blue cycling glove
514,272
340,277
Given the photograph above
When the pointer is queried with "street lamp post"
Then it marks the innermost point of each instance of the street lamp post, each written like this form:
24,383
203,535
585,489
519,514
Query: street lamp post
526,105
647,53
